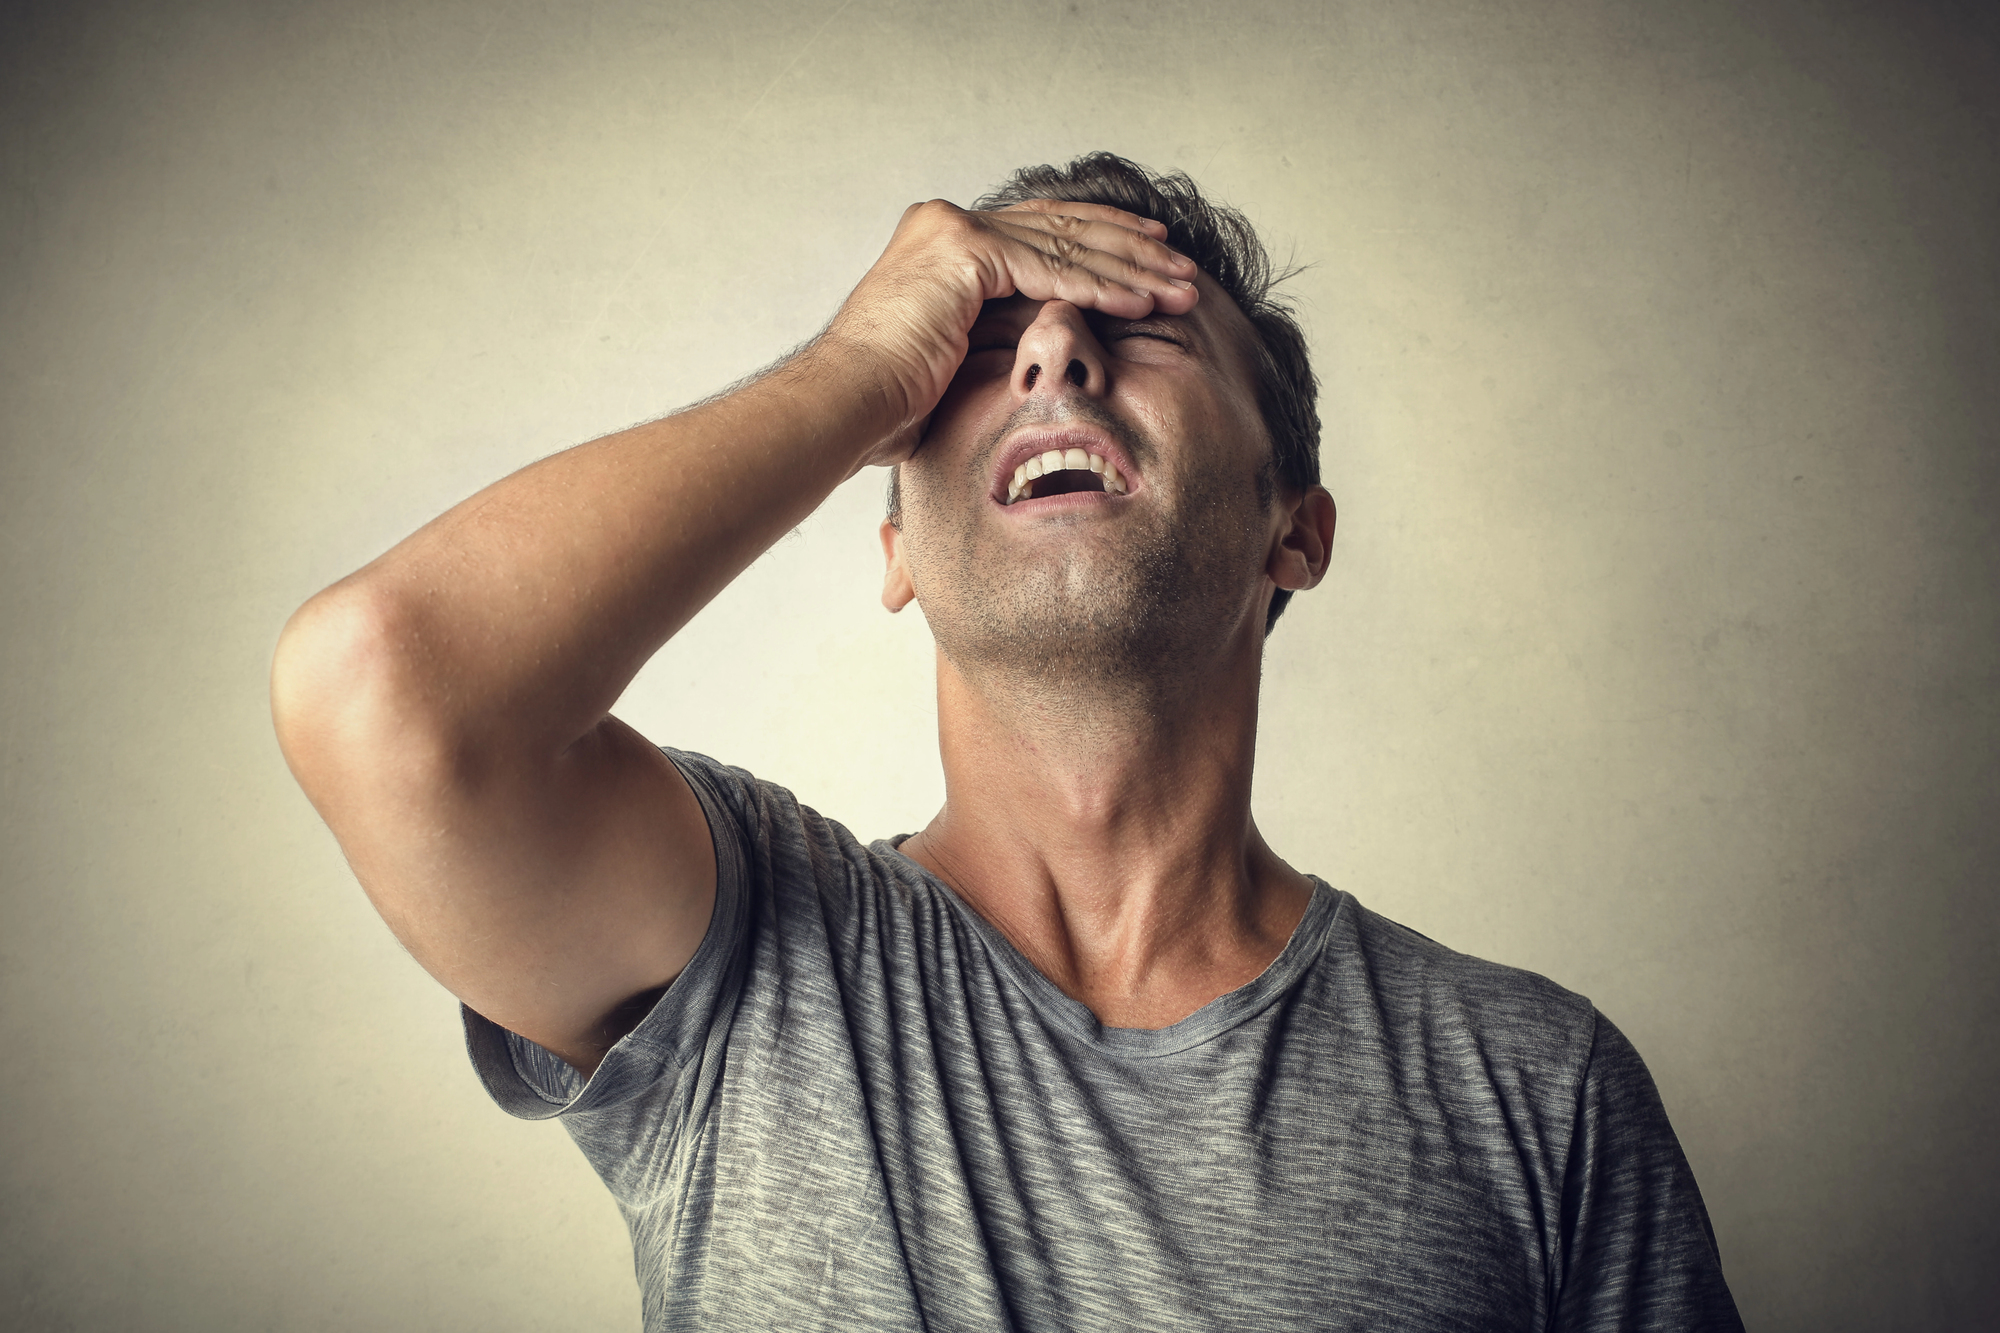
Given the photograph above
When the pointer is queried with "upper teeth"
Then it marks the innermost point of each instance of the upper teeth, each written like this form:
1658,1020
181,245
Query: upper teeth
1057,460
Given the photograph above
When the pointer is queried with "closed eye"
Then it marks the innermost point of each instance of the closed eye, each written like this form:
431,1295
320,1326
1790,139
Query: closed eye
1118,330
1148,334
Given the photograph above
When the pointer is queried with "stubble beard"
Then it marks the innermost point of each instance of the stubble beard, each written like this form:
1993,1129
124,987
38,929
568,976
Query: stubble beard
1131,615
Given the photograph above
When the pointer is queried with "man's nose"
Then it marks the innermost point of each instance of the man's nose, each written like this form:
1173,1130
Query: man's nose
1059,354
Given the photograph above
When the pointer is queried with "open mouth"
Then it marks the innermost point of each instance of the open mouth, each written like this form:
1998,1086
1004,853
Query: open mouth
1063,471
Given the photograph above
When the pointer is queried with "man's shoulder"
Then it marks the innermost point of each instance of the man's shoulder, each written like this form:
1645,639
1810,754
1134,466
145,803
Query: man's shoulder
765,836
760,809
1459,998
738,788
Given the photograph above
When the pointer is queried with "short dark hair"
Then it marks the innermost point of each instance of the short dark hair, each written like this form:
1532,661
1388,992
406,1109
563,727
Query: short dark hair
1225,245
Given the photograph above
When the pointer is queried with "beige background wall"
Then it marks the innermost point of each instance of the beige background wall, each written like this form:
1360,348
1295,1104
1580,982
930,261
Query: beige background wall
1659,654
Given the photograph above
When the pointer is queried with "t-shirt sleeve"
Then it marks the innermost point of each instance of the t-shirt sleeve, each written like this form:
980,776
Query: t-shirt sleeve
1639,1253
529,1081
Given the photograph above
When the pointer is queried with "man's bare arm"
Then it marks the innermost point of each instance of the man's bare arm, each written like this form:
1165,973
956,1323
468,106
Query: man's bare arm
446,707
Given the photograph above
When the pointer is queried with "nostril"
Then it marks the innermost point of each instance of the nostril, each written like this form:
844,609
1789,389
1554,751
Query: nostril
1034,373
1078,373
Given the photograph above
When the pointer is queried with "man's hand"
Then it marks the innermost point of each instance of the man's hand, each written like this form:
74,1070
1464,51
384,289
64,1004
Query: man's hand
908,318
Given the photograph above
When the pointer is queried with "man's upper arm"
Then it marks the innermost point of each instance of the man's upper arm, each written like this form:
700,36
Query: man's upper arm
550,895
1639,1253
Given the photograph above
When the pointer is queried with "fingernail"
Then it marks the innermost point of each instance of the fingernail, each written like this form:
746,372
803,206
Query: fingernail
1180,258
1178,283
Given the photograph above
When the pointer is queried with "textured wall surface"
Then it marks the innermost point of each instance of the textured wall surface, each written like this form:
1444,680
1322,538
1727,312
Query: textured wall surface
1659,653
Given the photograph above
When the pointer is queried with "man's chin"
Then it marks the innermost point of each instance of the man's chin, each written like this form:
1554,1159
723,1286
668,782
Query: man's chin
1068,649
1101,612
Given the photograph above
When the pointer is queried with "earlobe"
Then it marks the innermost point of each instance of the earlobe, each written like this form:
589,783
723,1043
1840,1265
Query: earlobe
1305,544
897,590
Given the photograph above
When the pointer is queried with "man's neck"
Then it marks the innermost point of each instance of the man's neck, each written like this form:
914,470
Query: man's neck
1107,834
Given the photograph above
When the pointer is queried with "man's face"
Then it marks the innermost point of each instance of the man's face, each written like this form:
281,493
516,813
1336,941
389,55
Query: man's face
1139,559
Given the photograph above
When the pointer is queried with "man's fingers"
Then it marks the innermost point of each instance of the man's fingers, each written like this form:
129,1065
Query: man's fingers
1103,227
912,311
1099,264
1094,212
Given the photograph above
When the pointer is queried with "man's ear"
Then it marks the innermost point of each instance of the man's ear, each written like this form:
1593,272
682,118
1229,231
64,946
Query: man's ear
897,590
1304,541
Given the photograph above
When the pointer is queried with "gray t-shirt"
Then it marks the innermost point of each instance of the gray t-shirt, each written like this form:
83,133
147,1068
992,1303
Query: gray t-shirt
861,1108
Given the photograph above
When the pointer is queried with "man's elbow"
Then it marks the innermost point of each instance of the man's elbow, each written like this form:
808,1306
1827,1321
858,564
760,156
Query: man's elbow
347,700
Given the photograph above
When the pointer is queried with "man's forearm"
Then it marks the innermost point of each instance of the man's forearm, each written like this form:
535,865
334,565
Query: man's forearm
507,627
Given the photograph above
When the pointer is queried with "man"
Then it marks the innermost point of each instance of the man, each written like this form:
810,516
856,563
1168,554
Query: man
1082,1053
